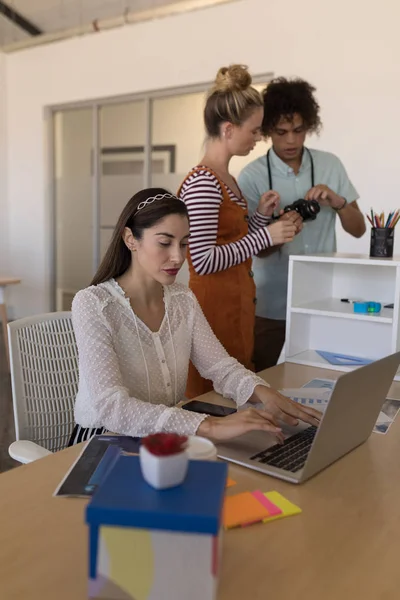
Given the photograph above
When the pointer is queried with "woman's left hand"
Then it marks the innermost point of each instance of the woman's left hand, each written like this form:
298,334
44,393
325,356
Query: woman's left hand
283,408
268,203
293,216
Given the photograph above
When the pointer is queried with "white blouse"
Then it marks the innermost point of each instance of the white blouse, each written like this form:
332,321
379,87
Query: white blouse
131,378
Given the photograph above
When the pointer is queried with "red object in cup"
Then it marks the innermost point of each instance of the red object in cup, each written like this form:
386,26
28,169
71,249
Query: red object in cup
165,444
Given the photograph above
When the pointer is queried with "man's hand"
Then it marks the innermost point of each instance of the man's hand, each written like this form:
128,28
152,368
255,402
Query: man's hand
325,196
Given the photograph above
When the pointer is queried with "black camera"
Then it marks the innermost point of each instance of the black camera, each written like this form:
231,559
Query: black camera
307,209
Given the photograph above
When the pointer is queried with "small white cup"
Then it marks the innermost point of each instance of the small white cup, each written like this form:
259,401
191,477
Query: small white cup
163,472
199,448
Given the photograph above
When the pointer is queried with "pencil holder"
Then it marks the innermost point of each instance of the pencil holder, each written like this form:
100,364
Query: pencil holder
382,241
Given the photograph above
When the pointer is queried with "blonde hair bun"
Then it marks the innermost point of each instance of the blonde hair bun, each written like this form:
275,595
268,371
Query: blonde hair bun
232,78
232,99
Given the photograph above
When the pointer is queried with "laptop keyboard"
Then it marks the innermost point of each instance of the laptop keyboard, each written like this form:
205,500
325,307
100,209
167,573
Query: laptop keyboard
292,454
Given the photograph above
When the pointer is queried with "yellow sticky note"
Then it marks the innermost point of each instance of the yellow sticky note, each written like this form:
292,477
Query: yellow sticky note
230,482
242,509
288,508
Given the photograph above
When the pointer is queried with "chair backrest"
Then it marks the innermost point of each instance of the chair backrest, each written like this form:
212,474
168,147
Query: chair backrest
44,377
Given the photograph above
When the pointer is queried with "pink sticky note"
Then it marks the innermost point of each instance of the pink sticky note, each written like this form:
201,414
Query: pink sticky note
273,510
270,506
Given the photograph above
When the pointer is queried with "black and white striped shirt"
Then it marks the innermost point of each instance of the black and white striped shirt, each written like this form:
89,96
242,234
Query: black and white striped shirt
202,194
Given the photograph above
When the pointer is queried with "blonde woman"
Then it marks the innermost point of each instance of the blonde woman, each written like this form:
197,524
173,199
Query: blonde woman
223,238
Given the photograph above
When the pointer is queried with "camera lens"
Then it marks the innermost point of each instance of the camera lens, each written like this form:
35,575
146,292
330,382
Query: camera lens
313,207
307,209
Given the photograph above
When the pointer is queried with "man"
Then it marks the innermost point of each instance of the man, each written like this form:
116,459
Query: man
294,172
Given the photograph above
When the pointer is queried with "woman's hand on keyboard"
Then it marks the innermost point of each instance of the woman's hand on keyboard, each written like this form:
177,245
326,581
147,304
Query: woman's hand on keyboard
283,408
250,419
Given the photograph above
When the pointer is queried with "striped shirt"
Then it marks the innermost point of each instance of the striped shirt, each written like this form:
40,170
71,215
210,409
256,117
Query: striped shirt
202,194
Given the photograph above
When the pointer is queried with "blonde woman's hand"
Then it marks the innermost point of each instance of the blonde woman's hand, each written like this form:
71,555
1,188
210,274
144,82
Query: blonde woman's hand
294,217
282,231
243,421
268,203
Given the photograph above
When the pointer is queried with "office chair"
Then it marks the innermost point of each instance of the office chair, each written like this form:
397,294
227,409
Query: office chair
44,378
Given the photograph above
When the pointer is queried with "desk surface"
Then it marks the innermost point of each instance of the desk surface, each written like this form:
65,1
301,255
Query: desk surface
344,546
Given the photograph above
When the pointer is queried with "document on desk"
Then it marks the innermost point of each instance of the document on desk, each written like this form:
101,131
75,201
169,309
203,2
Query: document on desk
317,393
316,397
320,383
387,415
93,463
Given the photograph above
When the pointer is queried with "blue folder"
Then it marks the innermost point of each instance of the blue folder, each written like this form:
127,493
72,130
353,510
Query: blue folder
343,359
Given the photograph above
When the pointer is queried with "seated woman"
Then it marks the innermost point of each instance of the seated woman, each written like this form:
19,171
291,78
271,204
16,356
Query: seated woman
137,330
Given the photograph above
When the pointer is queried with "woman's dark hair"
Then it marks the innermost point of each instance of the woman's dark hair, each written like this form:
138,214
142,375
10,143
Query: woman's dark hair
231,99
118,257
284,98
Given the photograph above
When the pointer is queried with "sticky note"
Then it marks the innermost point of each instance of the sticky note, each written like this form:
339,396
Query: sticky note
230,482
242,509
271,508
288,508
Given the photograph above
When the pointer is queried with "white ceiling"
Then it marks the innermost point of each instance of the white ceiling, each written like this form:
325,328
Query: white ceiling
60,15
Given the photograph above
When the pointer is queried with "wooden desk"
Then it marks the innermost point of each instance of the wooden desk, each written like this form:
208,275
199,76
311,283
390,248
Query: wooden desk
344,546
4,282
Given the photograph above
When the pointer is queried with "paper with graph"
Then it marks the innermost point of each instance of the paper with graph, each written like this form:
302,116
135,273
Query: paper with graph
317,392
315,397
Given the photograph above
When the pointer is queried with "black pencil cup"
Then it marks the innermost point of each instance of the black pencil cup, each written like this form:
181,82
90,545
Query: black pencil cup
382,242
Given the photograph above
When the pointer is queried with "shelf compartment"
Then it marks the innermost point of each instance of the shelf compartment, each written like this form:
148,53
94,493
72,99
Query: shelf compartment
311,358
333,307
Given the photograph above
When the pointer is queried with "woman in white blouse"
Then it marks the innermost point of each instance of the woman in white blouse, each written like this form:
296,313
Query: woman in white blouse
137,329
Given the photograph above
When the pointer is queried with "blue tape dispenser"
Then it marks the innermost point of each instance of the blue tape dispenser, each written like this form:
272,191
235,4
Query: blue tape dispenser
367,307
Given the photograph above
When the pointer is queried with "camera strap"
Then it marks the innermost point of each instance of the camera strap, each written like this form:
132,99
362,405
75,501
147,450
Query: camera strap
270,173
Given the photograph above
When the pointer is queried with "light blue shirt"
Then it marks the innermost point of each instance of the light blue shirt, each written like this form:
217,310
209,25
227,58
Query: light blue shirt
271,273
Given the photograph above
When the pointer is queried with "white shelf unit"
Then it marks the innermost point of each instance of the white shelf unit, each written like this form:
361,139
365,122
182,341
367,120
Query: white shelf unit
318,320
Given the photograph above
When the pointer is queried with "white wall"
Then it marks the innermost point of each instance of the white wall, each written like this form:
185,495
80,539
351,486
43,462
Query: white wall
3,171
349,50
73,194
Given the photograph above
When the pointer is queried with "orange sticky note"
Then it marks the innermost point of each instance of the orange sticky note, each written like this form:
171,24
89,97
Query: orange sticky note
241,509
230,482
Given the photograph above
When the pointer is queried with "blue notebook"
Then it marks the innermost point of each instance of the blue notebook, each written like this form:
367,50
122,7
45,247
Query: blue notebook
93,464
343,359
124,499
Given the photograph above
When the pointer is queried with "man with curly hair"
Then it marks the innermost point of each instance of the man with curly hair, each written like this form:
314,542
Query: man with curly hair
294,172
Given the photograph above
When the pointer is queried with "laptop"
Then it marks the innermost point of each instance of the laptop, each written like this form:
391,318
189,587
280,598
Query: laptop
347,422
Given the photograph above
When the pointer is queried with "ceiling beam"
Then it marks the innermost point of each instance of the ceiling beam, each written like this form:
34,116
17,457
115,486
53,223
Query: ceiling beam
18,19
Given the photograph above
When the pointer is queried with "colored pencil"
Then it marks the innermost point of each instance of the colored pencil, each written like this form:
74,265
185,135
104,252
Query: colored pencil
379,222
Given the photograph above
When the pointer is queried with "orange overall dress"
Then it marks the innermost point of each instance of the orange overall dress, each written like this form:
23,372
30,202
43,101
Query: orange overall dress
227,297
